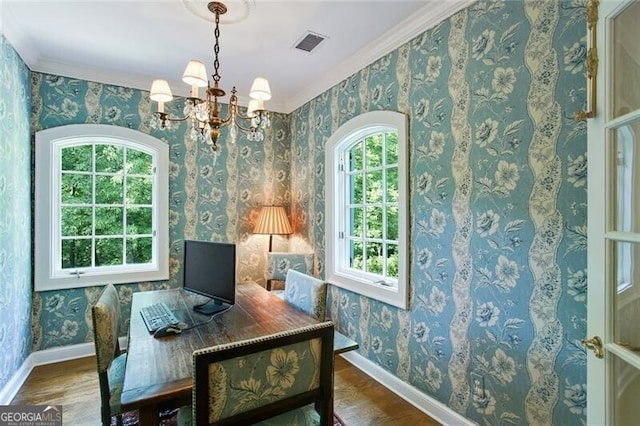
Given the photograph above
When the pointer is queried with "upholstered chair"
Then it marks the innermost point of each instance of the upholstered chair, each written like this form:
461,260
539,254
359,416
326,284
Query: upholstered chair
307,293
278,263
111,363
281,379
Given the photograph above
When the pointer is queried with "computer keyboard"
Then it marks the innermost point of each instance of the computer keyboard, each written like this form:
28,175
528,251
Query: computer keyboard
157,316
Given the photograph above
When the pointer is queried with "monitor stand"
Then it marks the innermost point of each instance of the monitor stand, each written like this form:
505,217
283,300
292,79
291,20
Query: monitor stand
211,307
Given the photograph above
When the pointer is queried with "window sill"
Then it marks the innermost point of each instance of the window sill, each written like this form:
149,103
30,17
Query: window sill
395,296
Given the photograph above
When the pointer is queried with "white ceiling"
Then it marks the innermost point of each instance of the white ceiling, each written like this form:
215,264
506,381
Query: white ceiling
132,42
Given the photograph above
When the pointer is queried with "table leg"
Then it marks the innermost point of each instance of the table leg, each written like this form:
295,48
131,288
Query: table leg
148,415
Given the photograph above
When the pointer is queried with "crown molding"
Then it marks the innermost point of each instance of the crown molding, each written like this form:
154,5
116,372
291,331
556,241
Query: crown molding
434,12
16,36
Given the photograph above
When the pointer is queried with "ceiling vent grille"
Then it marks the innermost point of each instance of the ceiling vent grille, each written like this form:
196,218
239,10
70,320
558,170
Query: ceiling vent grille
309,41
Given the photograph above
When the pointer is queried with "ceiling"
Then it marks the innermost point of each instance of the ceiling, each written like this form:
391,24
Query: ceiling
132,42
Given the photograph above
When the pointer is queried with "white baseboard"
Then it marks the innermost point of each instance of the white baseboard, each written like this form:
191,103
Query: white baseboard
433,408
47,356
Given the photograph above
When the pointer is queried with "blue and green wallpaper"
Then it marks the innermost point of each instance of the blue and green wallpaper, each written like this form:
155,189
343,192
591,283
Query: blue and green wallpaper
15,212
497,207
213,197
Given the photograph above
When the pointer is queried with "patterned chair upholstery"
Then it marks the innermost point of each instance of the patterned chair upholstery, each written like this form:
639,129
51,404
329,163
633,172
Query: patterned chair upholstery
278,263
111,363
307,293
281,379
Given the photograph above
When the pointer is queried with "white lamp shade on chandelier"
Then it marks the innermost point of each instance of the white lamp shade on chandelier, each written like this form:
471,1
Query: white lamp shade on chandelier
203,115
260,89
195,75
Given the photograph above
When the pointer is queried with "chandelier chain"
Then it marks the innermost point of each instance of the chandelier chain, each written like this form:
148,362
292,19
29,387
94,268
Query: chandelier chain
216,48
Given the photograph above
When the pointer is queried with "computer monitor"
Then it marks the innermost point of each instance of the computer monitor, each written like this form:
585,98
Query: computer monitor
210,270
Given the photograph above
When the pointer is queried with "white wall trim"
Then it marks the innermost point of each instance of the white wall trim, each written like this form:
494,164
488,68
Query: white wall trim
47,356
434,12
433,408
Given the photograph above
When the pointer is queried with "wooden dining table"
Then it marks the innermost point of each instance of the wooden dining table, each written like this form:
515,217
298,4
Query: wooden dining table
158,371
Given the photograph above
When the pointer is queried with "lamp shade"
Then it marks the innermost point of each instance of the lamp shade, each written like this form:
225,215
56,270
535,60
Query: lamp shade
195,74
254,105
273,220
160,91
260,89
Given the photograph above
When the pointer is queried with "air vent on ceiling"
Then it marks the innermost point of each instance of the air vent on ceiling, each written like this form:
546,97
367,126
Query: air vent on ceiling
309,41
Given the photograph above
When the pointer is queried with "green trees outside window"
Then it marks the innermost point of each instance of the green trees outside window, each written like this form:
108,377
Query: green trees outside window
373,202
106,209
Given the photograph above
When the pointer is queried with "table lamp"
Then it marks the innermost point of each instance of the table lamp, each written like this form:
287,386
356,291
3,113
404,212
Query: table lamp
273,221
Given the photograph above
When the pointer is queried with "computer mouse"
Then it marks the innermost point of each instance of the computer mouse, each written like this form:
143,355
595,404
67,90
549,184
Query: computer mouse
168,330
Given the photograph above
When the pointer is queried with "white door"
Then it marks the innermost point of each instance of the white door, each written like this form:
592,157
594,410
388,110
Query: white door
613,382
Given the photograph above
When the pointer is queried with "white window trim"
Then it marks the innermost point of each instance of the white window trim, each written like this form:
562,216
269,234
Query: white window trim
359,282
45,276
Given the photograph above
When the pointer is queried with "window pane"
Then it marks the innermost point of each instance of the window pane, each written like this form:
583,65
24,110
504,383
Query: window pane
373,149
76,189
76,253
109,220
139,220
139,250
392,261
139,190
392,148
356,222
392,185
625,176
109,158
138,162
392,223
356,255
626,68
373,186
354,156
78,158
374,222
76,221
109,189
109,251
355,182
374,257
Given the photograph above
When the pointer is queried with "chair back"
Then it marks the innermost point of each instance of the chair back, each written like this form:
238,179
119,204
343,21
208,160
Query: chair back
111,364
307,293
106,314
252,380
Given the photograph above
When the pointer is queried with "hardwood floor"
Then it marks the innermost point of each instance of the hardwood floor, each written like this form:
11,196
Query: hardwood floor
359,400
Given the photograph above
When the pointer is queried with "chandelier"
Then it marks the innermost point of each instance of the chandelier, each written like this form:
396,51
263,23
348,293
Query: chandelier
203,115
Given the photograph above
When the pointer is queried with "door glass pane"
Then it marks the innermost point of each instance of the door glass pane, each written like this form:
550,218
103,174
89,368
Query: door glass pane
626,176
626,67
626,294
626,379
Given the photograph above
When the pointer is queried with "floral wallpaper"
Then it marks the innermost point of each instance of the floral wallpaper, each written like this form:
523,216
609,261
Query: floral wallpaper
497,206
15,212
212,197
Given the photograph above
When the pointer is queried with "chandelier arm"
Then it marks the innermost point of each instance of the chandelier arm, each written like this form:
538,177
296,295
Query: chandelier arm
166,117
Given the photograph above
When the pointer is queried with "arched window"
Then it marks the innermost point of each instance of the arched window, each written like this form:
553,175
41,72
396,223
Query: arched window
366,207
101,207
